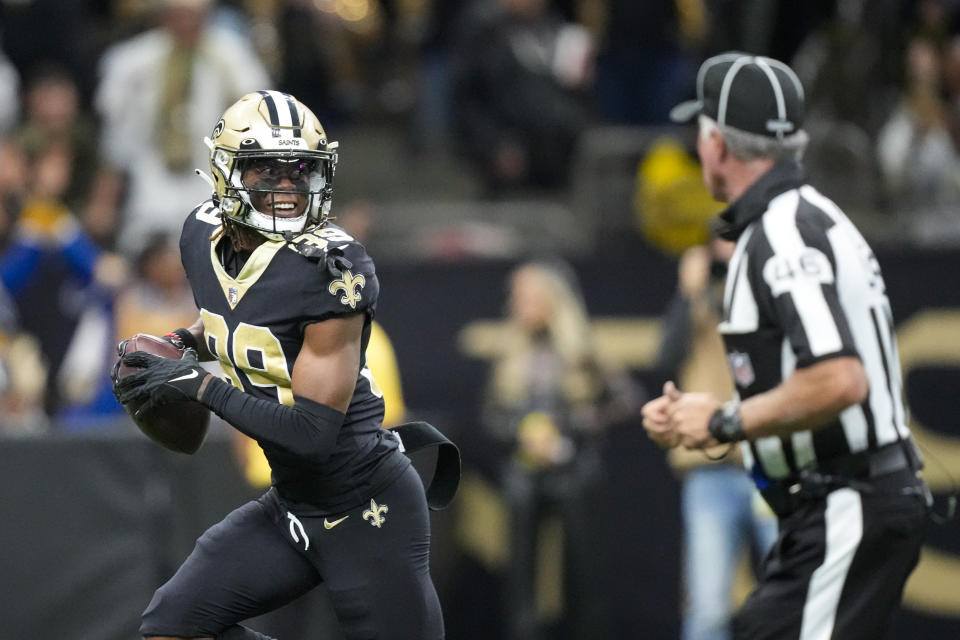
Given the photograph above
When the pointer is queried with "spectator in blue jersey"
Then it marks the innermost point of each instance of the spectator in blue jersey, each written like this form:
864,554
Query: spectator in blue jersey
810,341
61,283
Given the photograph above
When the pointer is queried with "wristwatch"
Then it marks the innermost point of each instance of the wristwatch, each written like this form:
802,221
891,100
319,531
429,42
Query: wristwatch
725,424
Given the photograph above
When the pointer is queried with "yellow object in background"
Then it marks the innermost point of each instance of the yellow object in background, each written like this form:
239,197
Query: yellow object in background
46,218
673,207
256,469
382,362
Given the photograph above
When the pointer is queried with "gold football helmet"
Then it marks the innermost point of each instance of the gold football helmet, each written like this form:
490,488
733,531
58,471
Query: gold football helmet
272,165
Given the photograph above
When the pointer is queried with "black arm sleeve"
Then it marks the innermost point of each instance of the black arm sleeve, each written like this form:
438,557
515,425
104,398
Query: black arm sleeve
308,429
675,340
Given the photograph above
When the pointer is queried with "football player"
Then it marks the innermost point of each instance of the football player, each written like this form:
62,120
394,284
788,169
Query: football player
286,302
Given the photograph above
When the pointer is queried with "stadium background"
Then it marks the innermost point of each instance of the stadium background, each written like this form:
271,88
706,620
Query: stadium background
95,518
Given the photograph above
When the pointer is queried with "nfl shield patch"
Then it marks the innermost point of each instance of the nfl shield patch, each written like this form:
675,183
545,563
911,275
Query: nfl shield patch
232,295
742,368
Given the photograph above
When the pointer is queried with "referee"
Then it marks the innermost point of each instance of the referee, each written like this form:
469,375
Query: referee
810,341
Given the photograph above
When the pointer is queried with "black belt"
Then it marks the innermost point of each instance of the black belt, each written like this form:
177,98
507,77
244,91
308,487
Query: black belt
414,436
871,464
788,494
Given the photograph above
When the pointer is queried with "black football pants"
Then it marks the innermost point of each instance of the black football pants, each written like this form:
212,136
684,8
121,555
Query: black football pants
374,560
839,565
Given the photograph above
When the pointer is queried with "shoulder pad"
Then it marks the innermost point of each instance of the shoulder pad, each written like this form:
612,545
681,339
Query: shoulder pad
347,277
313,243
203,221
327,247
207,211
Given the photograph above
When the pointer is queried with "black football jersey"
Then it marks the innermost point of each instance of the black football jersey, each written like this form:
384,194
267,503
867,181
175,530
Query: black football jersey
254,325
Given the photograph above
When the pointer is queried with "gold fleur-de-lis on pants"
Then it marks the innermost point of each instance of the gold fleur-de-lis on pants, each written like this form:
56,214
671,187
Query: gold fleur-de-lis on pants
375,514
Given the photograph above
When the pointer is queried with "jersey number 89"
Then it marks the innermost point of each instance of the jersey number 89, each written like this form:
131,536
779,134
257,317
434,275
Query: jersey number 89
248,339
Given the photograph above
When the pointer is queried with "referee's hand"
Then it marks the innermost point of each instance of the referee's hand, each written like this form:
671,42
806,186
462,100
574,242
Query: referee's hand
689,418
656,417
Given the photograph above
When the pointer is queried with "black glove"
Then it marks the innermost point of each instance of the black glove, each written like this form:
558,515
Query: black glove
160,381
115,373
181,339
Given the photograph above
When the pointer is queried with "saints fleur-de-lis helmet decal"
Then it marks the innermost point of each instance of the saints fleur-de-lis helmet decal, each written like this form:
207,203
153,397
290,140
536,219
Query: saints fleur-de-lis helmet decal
271,126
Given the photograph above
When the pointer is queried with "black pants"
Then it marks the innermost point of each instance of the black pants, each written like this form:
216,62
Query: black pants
839,564
569,493
374,560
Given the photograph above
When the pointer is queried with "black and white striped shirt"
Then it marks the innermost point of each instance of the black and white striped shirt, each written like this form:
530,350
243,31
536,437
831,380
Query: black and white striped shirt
803,286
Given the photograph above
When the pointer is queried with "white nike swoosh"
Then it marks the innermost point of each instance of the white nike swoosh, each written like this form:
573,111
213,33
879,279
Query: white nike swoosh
330,525
192,374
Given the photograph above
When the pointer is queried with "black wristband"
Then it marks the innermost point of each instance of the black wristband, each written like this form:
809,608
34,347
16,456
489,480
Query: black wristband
184,337
725,424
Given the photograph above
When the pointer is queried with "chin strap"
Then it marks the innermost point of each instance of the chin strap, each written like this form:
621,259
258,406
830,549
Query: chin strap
206,178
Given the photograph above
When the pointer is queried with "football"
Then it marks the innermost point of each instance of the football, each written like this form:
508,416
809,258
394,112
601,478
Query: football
178,426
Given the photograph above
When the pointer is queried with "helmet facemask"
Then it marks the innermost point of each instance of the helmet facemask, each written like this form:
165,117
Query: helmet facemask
278,193
271,166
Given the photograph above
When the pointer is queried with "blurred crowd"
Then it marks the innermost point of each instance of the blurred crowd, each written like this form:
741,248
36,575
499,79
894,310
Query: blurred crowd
103,105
